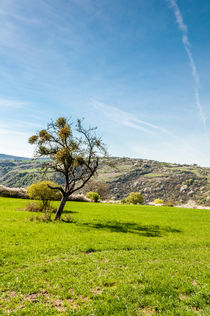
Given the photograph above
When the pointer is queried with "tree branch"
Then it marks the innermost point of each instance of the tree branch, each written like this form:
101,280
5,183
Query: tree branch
57,188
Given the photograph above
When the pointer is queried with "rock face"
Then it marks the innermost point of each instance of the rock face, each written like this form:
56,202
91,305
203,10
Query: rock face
152,179
166,187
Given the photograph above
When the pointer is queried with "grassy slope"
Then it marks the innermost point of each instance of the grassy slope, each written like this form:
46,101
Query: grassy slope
112,260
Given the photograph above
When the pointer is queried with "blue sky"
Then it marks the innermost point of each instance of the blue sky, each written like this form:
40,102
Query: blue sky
139,70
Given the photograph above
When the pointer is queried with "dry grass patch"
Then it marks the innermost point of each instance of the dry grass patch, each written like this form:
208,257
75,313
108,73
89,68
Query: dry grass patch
194,283
197,310
97,291
184,297
147,311
59,305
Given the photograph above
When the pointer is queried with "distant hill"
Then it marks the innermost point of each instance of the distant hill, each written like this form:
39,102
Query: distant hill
11,157
153,179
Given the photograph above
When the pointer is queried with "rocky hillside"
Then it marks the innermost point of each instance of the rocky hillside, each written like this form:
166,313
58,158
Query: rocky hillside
167,181
153,179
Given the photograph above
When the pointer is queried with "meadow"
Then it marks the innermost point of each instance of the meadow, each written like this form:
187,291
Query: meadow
104,259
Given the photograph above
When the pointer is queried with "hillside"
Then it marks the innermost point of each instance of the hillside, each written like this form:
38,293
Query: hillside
10,157
161,180
152,178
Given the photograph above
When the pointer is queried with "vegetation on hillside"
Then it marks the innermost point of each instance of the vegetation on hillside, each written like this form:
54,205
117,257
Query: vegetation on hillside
152,179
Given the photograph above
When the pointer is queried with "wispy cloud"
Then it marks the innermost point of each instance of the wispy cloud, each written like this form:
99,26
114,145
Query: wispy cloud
182,26
12,104
128,119
6,131
18,17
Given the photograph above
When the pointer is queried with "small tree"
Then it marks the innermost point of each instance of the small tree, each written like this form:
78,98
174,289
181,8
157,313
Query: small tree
135,198
73,155
94,196
41,191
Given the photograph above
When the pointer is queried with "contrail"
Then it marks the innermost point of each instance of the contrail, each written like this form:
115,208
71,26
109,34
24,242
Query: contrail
128,119
182,26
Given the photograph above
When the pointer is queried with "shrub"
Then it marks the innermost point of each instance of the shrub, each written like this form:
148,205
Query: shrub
158,201
68,219
207,202
123,201
99,187
135,198
44,218
93,196
33,207
188,182
41,191
38,207
202,201
169,203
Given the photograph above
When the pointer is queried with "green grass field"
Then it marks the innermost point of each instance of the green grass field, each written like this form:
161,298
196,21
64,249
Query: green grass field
110,260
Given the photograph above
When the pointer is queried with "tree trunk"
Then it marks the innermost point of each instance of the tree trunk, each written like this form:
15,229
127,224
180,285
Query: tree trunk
61,206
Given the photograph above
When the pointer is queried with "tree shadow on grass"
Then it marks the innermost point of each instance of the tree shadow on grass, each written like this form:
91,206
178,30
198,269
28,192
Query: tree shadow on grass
69,212
132,228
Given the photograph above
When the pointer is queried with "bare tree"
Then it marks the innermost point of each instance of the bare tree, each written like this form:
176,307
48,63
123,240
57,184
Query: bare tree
74,156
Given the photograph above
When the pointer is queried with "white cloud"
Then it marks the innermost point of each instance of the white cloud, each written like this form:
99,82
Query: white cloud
18,17
6,131
182,26
12,104
128,119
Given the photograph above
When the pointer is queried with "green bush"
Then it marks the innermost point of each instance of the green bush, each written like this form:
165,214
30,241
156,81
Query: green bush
95,197
40,191
188,182
135,198
99,187
158,201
